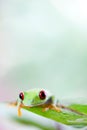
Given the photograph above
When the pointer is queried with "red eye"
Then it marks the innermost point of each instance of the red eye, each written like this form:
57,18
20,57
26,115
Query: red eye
21,96
42,95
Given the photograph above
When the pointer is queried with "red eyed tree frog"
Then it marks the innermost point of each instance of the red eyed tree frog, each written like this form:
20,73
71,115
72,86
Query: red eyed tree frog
36,97
39,97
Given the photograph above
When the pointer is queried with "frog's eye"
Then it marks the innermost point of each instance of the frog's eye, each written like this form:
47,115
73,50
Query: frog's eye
42,94
21,96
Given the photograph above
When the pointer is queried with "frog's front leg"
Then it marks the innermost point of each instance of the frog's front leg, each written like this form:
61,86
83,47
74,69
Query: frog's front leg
19,109
52,107
14,104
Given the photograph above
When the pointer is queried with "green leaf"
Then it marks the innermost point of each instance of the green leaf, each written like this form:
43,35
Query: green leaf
76,117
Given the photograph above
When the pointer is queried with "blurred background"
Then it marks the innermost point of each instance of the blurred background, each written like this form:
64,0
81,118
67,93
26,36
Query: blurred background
43,43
